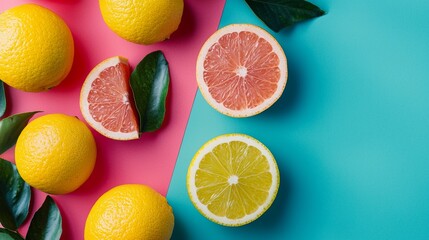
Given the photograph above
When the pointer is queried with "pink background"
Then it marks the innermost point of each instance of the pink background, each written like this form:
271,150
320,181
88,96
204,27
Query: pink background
149,160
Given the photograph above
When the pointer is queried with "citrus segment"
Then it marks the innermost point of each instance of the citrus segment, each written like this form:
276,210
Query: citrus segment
105,100
241,70
233,179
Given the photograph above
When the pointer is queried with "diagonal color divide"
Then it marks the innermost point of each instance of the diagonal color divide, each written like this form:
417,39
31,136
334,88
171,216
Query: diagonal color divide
149,160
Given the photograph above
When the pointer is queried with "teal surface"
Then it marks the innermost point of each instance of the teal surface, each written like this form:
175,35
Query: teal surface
350,133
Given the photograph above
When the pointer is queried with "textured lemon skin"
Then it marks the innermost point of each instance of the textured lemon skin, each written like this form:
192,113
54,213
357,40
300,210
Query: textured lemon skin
142,21
130,211
55,153
36,50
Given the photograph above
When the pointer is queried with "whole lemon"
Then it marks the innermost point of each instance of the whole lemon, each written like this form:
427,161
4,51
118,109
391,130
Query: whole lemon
142,21
36,48
130,211
55,153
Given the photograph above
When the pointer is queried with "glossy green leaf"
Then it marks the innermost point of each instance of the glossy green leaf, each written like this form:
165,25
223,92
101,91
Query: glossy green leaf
15,196
278,14
9,235
11,127
149,84
46,223
2,99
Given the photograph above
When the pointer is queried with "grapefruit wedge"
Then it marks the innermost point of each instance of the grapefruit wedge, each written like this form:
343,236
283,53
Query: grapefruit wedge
241,70
105,100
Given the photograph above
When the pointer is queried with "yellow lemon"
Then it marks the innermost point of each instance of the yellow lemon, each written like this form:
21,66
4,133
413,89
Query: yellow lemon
130,211
142,21
233,179
55,153
36,48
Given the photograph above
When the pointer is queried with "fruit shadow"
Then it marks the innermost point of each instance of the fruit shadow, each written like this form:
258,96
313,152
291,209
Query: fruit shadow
291,96
274,217
62,1
88,189
100,172
67,230
79,69
179,231
187,25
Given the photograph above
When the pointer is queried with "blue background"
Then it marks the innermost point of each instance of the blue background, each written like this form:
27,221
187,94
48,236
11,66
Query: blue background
350,133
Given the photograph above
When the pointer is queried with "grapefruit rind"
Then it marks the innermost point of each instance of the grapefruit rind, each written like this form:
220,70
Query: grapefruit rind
194,166
84,105
277,49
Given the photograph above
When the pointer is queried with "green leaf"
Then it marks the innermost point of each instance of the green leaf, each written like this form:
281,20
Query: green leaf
2,99
149,83
46,223
11,127
278,14
15,196
9,235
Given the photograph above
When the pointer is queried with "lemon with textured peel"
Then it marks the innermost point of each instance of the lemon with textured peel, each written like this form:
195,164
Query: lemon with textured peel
55,153
142,21
36,50
130,211
233,179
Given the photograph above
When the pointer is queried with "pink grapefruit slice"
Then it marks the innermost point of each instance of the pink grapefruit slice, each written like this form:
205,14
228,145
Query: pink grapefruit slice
105,100
241,70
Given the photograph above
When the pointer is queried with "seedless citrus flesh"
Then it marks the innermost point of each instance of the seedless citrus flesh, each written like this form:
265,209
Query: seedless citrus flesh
233,179
105,100
241,70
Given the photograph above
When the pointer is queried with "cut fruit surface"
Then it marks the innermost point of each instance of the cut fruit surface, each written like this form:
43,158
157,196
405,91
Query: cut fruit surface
233,179
241,70
105,100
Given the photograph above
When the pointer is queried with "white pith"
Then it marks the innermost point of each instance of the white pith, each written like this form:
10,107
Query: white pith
233,179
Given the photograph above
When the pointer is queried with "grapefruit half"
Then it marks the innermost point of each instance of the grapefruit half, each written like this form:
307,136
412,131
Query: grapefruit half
241,70
233,179
105,100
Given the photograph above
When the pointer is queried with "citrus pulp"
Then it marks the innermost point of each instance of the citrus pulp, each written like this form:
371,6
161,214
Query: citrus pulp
233,179
241,70
105,100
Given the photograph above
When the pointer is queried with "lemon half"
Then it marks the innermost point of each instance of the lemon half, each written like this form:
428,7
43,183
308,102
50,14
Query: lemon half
233,179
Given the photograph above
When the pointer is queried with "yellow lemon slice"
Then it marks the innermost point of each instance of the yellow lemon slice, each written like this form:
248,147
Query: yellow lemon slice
241,70
233,179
